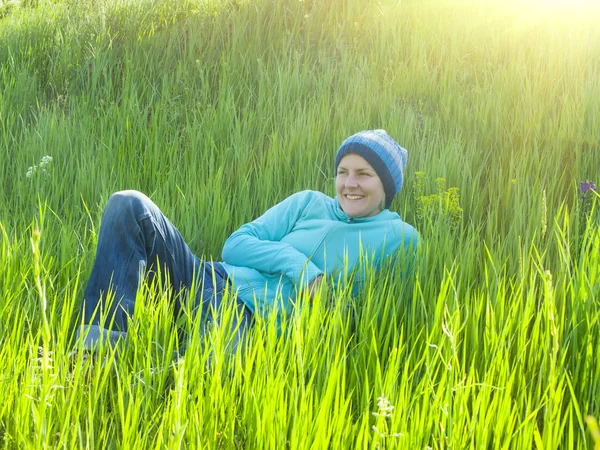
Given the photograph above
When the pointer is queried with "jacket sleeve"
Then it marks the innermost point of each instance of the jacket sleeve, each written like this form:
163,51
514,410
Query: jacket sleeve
258,245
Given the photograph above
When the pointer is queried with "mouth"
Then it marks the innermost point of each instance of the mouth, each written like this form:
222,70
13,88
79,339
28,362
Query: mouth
353,196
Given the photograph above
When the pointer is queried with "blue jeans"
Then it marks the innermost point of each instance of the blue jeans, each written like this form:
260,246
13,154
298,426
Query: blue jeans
136,240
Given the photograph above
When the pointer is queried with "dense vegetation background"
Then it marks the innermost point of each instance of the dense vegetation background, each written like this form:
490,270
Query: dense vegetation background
217,109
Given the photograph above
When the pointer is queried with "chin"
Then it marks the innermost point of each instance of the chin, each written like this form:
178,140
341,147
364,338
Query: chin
355,214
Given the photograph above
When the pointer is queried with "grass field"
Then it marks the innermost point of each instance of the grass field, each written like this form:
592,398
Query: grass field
218,109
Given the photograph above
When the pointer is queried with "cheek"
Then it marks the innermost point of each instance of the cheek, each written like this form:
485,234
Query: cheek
379,192
374,186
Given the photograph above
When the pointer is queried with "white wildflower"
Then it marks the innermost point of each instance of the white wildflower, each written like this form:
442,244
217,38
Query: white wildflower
384,414
385,407
31,171
45,160
42,167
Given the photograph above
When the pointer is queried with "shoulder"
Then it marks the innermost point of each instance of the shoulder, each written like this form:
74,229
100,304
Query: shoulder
307,197
313,205
312,195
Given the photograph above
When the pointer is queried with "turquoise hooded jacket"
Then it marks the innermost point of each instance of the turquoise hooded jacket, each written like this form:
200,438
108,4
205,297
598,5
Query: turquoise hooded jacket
308,234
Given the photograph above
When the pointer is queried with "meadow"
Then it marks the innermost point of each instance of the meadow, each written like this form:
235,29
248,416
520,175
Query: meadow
218,109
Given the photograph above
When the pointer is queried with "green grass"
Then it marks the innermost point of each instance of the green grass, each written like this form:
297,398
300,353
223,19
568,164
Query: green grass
217,109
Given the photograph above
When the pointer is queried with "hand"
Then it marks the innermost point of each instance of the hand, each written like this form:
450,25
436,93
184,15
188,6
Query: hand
314,286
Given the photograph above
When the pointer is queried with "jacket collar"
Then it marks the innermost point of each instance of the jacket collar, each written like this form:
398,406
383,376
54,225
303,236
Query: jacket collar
386,214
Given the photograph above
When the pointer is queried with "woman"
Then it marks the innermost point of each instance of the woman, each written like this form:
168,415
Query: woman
267,262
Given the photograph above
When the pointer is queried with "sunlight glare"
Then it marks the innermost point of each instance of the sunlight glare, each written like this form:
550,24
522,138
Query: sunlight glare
570,4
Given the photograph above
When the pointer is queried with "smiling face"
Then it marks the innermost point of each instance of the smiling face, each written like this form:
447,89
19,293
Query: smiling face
359,188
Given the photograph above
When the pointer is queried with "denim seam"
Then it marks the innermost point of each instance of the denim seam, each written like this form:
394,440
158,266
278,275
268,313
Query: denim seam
138,219
123,272
158,230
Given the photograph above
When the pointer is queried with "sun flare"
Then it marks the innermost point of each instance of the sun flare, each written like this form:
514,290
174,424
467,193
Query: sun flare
573,5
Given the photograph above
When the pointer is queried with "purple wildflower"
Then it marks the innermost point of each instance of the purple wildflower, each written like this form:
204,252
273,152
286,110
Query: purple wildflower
585,186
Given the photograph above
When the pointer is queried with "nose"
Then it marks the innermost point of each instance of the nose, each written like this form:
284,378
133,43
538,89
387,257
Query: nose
351,181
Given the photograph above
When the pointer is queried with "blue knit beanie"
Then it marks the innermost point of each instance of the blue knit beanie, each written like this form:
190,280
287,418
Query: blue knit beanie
383,153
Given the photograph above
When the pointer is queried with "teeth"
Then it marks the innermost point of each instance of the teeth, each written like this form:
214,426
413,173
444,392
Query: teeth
353,197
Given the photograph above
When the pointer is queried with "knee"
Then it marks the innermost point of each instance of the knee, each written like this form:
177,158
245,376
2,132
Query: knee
125,199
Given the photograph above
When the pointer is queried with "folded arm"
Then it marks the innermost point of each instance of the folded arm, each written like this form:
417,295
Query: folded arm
258,244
